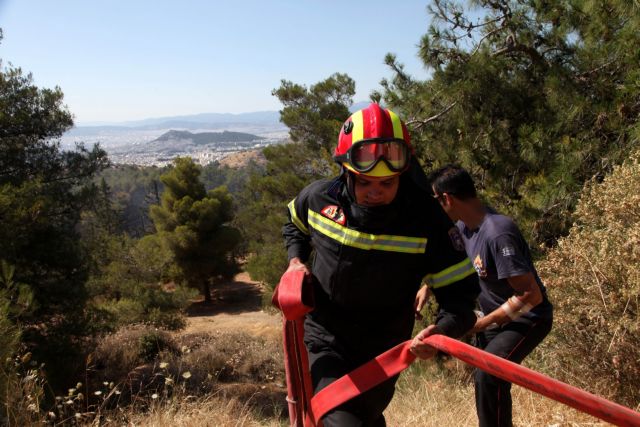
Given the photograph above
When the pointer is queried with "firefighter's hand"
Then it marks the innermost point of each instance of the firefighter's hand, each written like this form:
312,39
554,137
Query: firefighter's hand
296,265
421,299
420,349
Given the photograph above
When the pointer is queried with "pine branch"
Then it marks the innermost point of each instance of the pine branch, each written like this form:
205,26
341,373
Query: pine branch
420,123
586,74
489,34
512,45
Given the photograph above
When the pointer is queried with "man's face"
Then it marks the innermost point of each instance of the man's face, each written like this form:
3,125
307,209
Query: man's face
446,203
372,191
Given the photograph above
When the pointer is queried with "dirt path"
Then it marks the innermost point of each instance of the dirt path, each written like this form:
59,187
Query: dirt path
236,306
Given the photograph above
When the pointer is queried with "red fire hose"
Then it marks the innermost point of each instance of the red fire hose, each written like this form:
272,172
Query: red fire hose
535,381
305,412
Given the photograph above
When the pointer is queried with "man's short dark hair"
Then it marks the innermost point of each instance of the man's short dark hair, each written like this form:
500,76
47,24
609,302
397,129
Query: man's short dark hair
454,180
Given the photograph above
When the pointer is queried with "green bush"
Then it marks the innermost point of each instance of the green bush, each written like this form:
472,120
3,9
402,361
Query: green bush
132,286
172,320
125,311
152,343
594,282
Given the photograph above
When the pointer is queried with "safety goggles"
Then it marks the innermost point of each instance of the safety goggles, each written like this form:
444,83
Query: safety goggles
364,155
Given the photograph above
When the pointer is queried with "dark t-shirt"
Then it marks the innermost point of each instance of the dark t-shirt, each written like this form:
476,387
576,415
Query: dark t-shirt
498,251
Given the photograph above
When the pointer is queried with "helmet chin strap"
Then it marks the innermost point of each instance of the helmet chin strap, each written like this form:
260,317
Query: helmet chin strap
351,182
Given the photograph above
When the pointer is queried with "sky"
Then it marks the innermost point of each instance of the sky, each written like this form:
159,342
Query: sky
120,60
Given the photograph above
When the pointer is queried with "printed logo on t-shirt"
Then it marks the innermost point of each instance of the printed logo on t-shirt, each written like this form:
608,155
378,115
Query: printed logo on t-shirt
508,251
334,213
479,266
456,239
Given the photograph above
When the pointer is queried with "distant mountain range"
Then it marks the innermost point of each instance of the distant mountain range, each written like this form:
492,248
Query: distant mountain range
204,121
204,138
262,119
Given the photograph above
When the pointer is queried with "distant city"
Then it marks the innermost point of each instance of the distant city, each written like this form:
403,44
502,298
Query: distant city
203,137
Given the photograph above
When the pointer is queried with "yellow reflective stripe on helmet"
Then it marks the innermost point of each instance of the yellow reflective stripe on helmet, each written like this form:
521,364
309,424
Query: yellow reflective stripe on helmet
397,125
451,274
366,241
294,217
357,133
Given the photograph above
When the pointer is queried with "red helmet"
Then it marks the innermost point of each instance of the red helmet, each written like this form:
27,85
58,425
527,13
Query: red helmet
374,142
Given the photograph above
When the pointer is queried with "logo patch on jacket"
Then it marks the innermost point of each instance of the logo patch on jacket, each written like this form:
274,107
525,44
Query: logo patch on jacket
479,266
334,213
456,239
508,251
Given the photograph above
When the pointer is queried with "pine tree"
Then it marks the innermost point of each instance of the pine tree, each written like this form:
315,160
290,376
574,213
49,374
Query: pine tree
43,192
314,117
534,97
290,167
193,223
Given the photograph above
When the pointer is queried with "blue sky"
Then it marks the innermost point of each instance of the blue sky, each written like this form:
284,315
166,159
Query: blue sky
122,60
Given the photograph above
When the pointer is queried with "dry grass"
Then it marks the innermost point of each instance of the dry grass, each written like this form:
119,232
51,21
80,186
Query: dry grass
237,380
184,410
426,396
221,379
144,376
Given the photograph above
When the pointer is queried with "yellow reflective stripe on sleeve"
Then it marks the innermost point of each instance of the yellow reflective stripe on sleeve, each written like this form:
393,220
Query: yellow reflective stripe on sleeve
397,125
357,133
451,274
366,241
294,217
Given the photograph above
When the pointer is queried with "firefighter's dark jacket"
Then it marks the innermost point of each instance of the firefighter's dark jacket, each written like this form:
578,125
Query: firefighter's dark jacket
368,264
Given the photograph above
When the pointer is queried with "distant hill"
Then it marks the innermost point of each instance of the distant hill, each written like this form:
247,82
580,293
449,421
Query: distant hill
203,138
258,121
210,118
194,121
242,158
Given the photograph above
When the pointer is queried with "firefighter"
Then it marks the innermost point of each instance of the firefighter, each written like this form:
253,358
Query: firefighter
517,314
375,234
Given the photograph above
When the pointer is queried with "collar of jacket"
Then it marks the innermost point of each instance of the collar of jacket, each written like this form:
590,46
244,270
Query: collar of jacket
362,217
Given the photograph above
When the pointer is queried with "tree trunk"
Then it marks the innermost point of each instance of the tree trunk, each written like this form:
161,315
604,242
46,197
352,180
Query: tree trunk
206,291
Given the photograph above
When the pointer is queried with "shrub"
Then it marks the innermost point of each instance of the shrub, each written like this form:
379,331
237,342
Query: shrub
594,280
125,311
118,354
171,320
224,358
131,287
198,362
152,343
152,306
